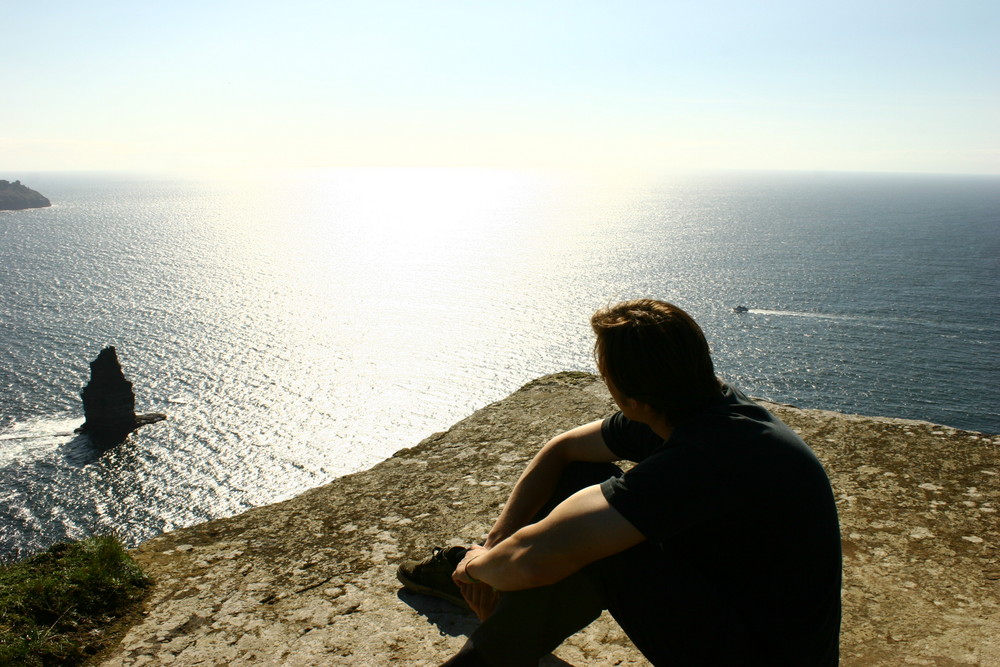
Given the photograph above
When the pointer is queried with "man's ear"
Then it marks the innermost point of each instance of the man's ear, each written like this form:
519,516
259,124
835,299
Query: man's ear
643,410
651,417
632,404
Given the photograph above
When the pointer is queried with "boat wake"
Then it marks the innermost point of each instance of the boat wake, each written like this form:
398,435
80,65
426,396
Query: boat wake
796,313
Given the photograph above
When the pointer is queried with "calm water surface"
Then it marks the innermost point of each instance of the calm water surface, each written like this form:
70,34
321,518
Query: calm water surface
300,327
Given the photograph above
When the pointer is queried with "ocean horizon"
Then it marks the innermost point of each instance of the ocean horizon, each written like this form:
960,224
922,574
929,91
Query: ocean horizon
299,326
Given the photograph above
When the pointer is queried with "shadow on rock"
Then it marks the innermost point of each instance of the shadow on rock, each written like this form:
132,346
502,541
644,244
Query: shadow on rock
449,619
456,622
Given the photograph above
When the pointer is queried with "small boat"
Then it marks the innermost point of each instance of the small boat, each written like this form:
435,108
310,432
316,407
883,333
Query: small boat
741,309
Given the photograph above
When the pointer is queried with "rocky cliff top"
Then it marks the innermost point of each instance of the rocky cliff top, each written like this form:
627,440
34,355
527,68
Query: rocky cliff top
15,197
311,581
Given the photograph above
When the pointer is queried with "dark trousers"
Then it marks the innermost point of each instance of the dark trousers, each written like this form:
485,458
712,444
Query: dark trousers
669,612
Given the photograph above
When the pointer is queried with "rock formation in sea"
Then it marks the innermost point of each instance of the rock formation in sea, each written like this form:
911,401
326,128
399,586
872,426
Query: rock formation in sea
311,580
15,197
109,402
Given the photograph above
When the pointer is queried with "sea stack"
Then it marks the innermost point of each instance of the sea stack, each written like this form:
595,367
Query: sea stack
16,197
109,402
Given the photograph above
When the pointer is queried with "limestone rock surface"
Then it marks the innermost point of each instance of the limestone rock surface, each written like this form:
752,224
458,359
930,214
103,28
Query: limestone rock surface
15,197
310,581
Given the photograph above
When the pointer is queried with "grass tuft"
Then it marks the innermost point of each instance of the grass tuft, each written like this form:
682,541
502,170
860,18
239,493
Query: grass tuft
54,605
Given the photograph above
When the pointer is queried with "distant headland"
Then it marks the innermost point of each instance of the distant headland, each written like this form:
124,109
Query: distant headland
15,197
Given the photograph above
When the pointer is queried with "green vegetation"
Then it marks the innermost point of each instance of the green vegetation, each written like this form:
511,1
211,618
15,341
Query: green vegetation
54,606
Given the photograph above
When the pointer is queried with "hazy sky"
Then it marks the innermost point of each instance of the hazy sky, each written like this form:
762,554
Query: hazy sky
868,85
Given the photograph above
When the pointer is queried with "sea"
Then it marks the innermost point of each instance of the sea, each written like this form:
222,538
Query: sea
298,326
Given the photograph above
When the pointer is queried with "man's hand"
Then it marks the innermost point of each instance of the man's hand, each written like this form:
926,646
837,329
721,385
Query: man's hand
482,598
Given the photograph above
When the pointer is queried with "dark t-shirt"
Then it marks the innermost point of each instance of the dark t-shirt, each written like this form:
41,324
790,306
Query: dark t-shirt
738,498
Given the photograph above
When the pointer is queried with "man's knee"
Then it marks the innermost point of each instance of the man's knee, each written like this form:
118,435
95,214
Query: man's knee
578,475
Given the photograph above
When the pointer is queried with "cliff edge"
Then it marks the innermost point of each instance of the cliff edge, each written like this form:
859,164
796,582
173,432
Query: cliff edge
15,197
311,581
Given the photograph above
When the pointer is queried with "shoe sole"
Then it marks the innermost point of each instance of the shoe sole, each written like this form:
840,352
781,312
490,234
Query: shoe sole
411,585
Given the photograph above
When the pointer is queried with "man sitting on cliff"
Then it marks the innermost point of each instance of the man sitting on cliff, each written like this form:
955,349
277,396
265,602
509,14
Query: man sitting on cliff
720,547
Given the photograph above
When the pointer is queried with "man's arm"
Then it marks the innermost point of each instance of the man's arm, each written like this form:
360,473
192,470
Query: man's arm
539,479
580,530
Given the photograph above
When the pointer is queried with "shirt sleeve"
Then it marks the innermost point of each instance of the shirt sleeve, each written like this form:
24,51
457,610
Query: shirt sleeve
627,439
669,492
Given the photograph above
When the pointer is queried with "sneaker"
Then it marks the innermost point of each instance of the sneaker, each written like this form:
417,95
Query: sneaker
432,576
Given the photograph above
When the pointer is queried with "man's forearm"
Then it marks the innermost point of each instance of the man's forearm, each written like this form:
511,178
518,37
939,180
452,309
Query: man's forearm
555,547
505,567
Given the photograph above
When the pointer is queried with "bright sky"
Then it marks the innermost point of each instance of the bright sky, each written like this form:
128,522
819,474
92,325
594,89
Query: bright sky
866,85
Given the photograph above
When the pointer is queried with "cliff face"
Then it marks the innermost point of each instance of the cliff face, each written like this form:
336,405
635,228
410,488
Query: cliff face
15,197
310,581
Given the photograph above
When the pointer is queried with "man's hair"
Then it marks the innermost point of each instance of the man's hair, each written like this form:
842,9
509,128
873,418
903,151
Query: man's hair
655,353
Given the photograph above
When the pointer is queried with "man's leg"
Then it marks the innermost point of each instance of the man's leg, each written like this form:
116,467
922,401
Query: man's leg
577,475
529,624
670,610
